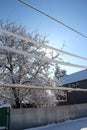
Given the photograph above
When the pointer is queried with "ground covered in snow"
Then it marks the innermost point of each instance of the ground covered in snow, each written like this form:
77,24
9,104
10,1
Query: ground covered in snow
79,124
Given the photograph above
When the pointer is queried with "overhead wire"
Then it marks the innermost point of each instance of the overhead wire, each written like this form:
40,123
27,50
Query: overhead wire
31,87
43,45
44,59
54,19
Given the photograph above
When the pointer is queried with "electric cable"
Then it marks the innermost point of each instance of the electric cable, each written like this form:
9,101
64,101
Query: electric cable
31,87
44,59
54,19
43,45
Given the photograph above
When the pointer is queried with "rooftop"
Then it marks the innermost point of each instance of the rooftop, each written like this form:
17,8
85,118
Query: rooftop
75,77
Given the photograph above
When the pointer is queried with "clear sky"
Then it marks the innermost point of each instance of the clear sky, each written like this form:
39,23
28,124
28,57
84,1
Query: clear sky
71,12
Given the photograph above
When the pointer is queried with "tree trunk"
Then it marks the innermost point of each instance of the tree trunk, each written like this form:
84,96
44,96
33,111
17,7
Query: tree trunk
17,101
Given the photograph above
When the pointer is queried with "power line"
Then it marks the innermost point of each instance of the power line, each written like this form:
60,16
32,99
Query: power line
44,59
65,52
20,86
43,45
54,19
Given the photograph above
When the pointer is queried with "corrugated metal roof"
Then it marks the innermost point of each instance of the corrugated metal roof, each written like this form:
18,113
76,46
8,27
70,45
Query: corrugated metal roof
75,77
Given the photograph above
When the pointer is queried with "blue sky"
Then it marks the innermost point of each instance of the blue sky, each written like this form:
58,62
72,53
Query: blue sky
71,12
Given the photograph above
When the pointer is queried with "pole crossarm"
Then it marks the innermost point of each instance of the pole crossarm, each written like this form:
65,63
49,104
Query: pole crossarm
20,86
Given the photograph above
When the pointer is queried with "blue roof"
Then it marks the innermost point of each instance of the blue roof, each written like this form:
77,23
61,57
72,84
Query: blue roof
75,77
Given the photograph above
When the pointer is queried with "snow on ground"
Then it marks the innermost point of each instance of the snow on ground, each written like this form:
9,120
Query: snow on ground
79,124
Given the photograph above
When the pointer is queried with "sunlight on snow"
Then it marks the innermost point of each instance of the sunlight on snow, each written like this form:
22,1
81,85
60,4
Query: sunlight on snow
49,92
48,52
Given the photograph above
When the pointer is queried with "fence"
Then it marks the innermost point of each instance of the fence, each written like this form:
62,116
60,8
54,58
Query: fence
33,117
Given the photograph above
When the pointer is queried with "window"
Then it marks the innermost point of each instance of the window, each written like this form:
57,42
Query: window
77,85
73,85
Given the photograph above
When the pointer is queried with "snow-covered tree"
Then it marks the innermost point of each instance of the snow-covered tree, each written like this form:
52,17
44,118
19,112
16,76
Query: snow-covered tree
20,69
59,72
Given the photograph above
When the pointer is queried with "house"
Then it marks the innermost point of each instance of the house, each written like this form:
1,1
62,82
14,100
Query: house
75,80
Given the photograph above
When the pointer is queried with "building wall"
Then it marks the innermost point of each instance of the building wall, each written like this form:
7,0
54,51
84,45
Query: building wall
83,84
34,117
80,84
77,97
